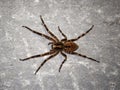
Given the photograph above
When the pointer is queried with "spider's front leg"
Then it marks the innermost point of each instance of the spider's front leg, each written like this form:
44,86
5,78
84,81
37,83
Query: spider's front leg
38,33
45,61
39,55
65,37
43,23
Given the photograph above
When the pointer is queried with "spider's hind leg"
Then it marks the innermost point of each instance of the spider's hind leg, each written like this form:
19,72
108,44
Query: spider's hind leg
84,56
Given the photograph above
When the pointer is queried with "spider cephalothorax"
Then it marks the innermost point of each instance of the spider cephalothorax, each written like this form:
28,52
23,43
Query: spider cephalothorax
66,46
58,46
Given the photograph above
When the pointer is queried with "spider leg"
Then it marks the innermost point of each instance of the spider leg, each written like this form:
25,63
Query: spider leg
50,43
45,62
84,56
82,34
65,56
38,33
39,55
65,37
43,23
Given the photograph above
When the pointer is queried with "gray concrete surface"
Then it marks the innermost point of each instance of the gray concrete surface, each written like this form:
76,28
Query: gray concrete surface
74,17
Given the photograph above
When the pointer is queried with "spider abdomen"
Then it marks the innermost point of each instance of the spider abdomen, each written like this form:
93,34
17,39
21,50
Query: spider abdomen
70,46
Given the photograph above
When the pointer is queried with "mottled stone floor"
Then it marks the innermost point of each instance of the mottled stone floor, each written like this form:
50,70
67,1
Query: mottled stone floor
74,17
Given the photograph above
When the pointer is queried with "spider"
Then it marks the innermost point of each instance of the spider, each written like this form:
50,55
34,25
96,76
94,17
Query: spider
58,46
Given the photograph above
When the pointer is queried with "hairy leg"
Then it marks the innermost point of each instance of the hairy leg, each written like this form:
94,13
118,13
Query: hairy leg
38,33
43,23
45,62
65,56
82,34
39,55
84,56
65,37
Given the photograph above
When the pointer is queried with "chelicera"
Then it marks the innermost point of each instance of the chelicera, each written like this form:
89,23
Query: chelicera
58,46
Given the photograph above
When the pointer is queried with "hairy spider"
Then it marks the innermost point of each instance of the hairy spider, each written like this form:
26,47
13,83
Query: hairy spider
58,46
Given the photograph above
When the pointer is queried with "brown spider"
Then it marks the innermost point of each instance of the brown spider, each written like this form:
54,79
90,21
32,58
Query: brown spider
58,46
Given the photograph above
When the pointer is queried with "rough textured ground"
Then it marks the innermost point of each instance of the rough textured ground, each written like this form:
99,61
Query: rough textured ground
74,17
